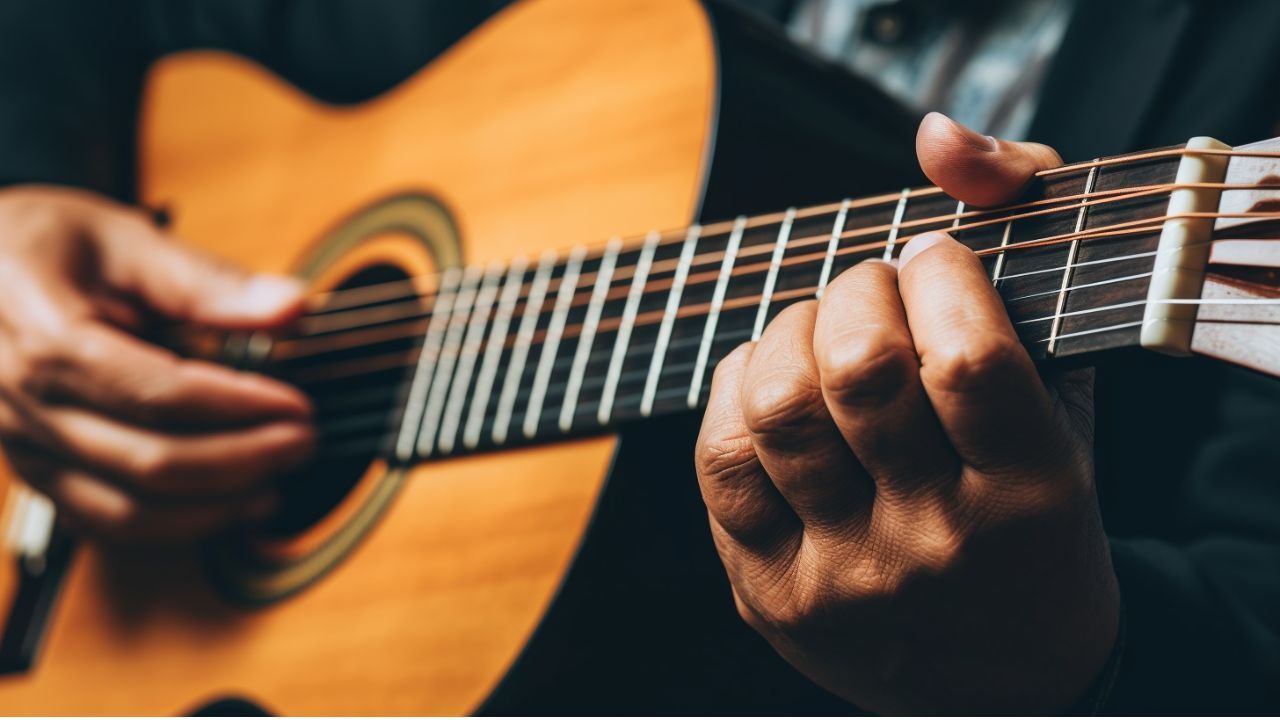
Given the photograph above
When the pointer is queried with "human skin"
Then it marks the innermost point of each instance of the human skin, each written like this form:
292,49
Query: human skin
904,505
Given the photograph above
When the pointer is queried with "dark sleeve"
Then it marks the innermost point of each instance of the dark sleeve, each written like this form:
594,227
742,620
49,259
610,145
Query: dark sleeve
1202,600
71,71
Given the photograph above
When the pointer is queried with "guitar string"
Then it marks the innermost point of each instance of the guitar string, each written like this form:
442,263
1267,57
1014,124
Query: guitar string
420,304
414,309
1066,204
373,440
344,369
381,315
600,355
287,349
725,226
374,293
1189,301
416,325
387,418
1266,302
334,371
415,328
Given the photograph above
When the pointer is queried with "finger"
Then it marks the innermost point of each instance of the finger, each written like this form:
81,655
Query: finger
870,378
975,168
110,371
225,462
738,494
185,284
97,507
793,433
980,380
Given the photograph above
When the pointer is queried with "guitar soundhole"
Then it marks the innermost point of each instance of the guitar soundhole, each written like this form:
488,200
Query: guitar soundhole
354,392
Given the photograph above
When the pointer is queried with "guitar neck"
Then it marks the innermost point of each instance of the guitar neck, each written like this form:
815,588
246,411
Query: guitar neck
568,344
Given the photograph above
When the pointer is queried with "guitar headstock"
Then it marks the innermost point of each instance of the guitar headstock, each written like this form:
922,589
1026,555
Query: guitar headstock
1239,318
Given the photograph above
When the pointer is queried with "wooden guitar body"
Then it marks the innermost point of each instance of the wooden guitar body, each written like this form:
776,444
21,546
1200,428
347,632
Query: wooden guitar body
560,122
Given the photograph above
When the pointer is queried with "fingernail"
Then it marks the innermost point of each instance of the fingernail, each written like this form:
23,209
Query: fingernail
262,296
917,245
982,142
271,292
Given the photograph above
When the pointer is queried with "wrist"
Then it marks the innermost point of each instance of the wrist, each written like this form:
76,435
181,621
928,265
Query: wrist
1092,702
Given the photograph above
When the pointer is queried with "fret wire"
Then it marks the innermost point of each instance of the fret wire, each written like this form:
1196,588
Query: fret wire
587,337
520,349
717,301
467,361
440,381
1072,252
897,222
959,211
493,352
620,346
779,249
837,229
551,344
668,319
999,266
415,403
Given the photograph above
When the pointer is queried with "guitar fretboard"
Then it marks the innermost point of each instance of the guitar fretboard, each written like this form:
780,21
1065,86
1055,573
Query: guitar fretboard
569,344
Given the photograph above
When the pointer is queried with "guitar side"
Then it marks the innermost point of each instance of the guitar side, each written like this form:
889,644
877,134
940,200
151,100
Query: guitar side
559,122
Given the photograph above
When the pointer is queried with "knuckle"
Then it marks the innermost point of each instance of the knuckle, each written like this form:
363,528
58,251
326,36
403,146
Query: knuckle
38,362
794,615
867,271
121,521
782,403
936,547
871,369
721,458
148,398
11,426
970,366
730,364
89,349
796,315
157,468
792,594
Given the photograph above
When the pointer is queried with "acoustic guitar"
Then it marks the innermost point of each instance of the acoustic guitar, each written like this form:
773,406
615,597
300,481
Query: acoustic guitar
505,273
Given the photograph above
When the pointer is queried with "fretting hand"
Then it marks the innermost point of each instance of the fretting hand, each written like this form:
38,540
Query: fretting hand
128,440
904,506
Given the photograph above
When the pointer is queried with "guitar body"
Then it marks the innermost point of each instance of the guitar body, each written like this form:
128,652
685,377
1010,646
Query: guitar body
559,122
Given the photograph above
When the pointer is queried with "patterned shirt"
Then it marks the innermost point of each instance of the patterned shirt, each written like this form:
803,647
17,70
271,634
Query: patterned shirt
981,62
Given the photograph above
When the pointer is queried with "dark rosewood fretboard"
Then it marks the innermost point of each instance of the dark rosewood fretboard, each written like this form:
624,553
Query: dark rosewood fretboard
567,344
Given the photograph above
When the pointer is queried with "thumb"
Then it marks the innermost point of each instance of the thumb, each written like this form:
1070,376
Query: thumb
975,168
185,284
